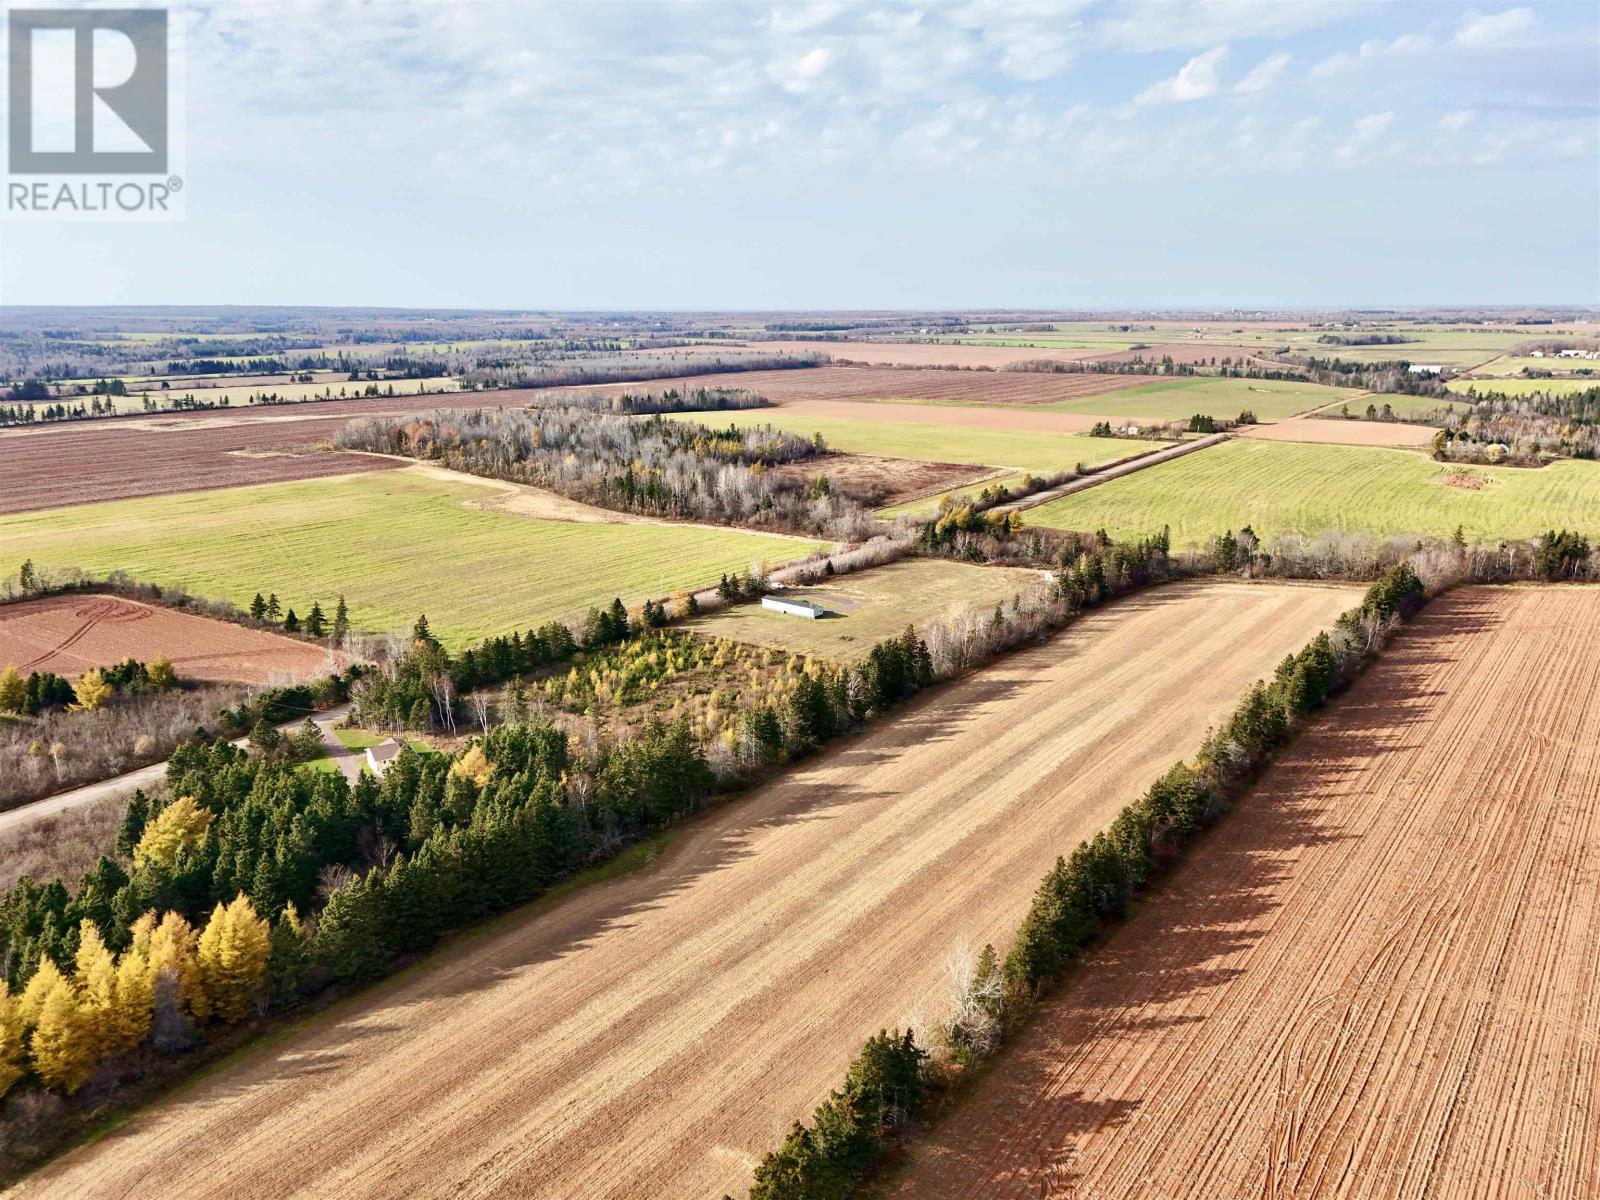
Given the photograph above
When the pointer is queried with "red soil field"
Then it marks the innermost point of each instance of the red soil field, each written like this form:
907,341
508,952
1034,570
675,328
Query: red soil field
652,1035
70,634
877,383
1379,977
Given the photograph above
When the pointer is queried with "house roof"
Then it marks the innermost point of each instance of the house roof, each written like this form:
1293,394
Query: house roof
384,750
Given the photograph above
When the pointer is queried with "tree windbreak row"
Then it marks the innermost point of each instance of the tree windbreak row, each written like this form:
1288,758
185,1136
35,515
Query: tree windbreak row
891,1080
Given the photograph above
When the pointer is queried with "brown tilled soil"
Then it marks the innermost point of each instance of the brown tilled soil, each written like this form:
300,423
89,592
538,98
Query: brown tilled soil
70,634
653,1035
1380,977
879,383
876,481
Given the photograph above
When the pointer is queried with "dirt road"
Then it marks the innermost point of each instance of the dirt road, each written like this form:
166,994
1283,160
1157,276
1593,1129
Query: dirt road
652,1036
1379,978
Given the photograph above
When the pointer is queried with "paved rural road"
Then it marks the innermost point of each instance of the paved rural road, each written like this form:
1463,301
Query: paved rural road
1116,472
119,785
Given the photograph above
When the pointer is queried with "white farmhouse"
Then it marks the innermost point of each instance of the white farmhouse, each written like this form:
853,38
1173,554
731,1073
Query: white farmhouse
795,608
380,756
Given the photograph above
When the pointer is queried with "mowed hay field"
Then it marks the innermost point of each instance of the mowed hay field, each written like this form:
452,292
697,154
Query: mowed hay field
1182,397
70,634
654,1034
1379,977
1283,486
869,606
395,543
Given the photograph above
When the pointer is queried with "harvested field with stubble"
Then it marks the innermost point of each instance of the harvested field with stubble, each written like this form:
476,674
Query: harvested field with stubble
728,983
70,634
1379,977
888,383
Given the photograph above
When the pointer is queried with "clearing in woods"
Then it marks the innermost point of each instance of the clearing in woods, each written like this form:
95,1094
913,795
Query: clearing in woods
727,984
70,634
1379,977
871,605
1279,487
396,544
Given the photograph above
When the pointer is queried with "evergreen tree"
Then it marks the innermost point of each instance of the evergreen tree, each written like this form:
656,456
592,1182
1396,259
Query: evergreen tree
274,609
341,623
258,607
316,622
421,635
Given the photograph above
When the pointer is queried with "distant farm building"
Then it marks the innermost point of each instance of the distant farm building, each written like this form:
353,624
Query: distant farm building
1427,368
380,756
795,608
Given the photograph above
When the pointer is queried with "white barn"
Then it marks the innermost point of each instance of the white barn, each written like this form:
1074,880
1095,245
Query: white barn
795,608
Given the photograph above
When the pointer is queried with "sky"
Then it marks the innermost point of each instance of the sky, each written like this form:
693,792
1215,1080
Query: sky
683,155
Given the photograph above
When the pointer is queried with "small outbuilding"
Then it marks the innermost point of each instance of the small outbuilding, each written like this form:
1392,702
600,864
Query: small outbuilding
380,756
793,607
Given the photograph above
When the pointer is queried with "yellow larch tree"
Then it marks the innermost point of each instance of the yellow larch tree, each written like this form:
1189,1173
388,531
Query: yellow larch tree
233,958
96,983
181,825
170,947
135,1002
13,1062
62,1046
92,690
45,977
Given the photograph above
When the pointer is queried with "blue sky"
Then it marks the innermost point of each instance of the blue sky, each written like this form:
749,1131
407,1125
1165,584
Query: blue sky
854,155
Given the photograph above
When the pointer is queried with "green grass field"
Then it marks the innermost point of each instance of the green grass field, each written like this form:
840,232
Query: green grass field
1513,365
1184,396
1283,486
869,606
1023,450
1523,387
395,543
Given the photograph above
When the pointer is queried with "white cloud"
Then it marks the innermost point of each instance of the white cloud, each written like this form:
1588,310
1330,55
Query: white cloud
1454,122
1263,75
799,73
1142,26
1195,80
1372,127
1494,29
1372,48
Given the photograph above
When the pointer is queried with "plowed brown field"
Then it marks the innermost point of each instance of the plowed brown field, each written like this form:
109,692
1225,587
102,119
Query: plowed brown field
81,462
880,383
1379,978
70,634
651,1036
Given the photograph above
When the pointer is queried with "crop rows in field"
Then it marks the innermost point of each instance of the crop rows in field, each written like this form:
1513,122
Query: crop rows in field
1380,977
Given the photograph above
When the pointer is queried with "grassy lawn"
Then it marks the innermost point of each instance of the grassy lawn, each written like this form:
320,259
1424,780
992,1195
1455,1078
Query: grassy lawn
1184,396
358,739
394,543
869,606
1278,486
1515,365
1021,450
